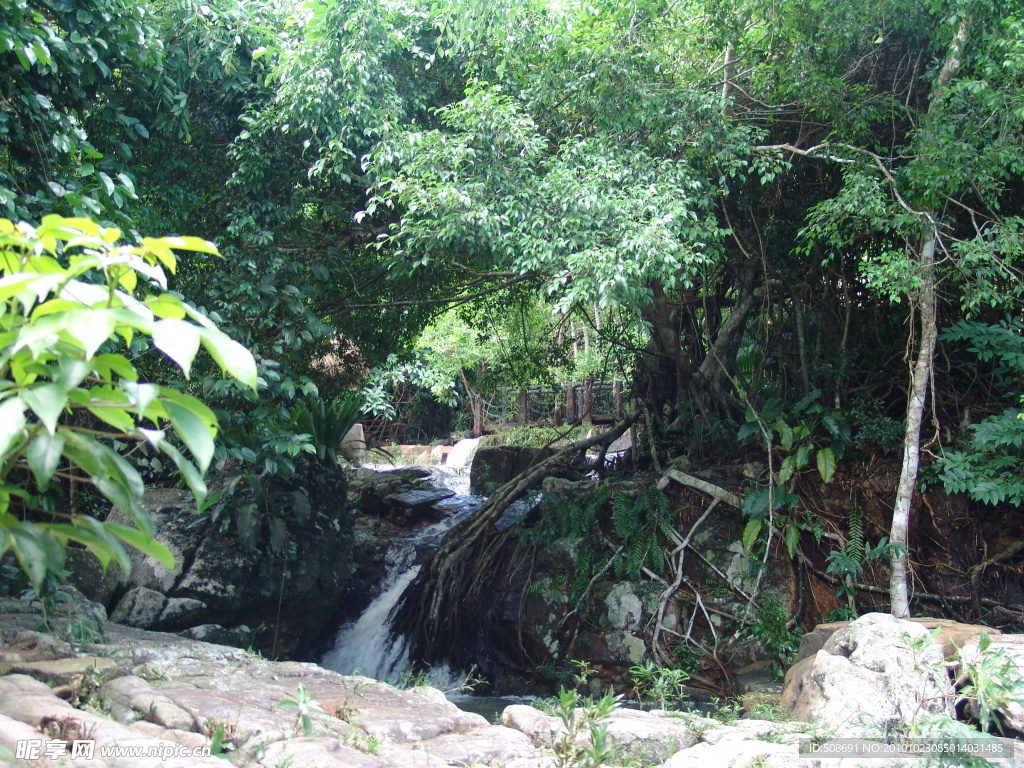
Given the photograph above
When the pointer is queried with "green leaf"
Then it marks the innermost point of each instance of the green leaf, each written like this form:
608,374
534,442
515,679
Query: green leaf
231,356
785,433
147,545
786,470
193,433
119,364
189,472
792,536
47,401
177,339
750,533
43,455
190,244
90,328
826,460
12,422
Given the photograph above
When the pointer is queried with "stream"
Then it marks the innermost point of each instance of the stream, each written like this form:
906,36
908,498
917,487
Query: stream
367,646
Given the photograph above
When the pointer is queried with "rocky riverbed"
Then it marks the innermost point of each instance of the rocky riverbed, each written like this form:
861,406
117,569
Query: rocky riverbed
165,700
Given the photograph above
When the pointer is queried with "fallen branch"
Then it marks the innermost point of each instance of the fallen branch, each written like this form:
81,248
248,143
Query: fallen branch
678,558
704,486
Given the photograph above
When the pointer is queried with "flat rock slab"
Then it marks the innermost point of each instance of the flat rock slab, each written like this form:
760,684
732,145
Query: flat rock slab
62,671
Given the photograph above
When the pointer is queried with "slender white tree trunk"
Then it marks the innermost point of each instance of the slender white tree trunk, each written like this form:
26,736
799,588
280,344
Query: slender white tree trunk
920,377
919,381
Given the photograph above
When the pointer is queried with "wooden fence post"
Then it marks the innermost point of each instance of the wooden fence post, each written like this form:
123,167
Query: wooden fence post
478,416
588,400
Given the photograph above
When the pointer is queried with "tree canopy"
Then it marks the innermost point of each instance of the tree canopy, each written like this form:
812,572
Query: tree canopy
743,203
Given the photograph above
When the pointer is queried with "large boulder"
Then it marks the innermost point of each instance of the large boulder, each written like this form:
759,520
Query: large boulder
953,635
216,579
870,679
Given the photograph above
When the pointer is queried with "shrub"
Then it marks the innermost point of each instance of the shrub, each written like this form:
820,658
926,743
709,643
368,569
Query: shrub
76,307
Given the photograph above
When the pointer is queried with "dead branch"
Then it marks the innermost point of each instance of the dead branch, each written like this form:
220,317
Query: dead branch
704,486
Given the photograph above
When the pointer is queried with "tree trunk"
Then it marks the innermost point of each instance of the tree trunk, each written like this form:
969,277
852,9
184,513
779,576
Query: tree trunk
919,381
899,594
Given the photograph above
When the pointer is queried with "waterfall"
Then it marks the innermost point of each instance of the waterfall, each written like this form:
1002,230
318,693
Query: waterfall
462,453
367,645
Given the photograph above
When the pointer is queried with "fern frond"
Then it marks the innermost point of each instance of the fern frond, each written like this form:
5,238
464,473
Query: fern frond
626,517
635,556
660,502
657,558
855,546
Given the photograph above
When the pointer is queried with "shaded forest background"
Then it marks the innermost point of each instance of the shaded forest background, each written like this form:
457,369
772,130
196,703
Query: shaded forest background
793,228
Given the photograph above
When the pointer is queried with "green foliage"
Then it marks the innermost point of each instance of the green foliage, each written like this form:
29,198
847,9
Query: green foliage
74,308
326,423
991,470
664,685
644,526
770,627
993,682
583,715
849,562
67,126
801,429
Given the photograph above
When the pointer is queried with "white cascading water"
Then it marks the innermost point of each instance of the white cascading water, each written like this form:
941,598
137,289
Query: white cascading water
367,645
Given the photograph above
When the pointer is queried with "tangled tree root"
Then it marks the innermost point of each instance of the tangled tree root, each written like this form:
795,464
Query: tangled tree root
442,609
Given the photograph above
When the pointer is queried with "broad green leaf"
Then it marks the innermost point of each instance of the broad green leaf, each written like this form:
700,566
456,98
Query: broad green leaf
786,470
118,418
166,306
12,285
43,456
90,328
12,422
231,356
147,545
792,536
190,244
118,364
803,455
32,553
47,401
179,340
188,471
140,395
750,533
159,248
785,433
193,433
826,463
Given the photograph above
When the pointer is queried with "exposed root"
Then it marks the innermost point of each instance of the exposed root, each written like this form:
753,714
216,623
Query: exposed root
441,611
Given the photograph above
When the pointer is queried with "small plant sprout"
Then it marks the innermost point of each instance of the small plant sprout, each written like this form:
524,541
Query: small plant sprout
303,704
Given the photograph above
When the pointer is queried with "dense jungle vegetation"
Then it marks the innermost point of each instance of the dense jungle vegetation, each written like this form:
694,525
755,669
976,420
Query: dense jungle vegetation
794,228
